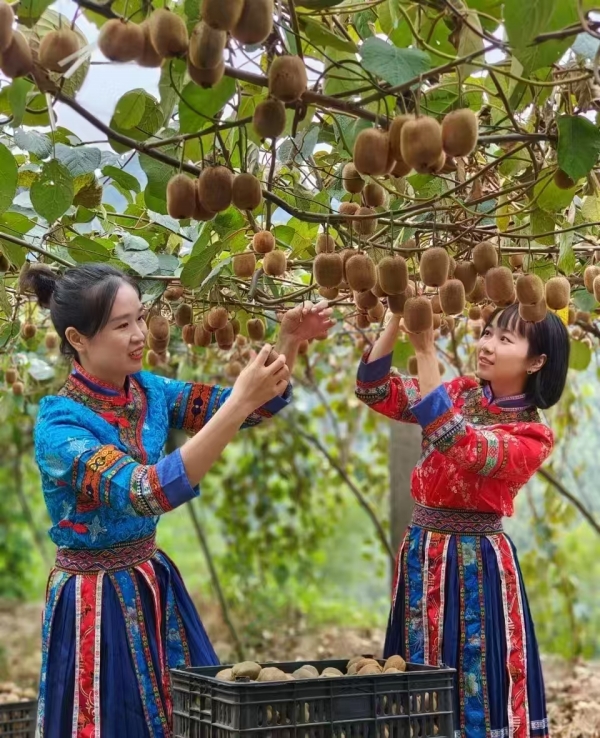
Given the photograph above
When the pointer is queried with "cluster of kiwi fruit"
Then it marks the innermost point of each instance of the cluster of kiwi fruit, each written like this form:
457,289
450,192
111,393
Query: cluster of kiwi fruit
11,377
16,59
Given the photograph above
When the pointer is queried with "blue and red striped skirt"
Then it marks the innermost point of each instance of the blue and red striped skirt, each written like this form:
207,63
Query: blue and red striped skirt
458,599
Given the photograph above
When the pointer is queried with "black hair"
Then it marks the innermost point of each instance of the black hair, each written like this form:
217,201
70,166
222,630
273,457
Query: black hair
82,298
548,336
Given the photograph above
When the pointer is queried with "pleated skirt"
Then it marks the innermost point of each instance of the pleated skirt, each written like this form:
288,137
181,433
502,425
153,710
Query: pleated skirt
459,600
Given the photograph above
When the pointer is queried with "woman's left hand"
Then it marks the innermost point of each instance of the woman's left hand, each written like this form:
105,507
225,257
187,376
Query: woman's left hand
307,321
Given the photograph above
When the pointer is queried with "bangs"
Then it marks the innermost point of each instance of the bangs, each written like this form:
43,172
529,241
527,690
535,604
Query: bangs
508,319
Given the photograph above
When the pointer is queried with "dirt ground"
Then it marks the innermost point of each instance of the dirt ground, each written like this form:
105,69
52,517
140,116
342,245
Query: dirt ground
573,689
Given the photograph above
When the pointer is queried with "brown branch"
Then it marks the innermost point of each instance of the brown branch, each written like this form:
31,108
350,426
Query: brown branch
31,247
561,489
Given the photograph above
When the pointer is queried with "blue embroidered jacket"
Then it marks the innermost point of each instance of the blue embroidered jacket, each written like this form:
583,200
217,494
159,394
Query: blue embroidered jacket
100,450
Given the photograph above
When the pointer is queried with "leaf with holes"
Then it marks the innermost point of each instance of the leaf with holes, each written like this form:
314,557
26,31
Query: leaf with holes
52,193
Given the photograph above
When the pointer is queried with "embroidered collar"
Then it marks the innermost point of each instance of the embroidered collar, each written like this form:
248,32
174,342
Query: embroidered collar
97,387
512,402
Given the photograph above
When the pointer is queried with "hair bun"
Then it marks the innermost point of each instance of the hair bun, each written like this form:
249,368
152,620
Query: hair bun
40,280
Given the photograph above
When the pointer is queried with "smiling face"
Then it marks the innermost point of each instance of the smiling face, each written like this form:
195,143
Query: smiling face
117,349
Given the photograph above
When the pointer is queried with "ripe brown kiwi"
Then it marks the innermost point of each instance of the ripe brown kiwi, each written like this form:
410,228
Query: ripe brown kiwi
205,323
563,181
516,260
168,34
371,152
394,132
418,315
206,78
486,313
362,321
244,265
51,341
485,256
275,263
365,300
159,327
263,242
421,143
56,46
401,169
181,197
255,23
351,180
201,213
17,60
325,244
589,275
474,312
11,375
269,118
374,195
347,254
183,315
392,273
558,292
256,329
202,337
28,331
222,15
436,303
225,336
7,18
530,289
499,286
533,313
349,209
328,270
187,334
396,303
303,348
217,318
452,297
361,274
247,191
287,78
365,226
172,294
121,41
149,56
215,188
466,272
448,325
377,312
434,266
329,293
18,388
159,345
596,287
459,132
233,369
206,46
478,292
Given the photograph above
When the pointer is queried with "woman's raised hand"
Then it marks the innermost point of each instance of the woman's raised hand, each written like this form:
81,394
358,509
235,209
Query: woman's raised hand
258,382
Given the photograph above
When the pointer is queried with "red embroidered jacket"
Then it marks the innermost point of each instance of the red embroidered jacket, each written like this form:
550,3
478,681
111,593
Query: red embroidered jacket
477,452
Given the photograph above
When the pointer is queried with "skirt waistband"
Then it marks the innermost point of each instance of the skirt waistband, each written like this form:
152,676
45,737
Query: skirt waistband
457,522
124,556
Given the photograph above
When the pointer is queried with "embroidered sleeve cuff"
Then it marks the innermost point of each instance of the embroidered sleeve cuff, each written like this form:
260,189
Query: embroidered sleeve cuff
271,408
162,487
436,415
432,406
376,371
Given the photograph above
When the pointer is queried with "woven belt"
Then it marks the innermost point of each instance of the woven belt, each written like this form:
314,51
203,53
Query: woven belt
123,556
459,522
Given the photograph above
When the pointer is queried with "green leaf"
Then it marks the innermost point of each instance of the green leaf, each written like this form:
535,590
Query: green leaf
580,356
548,196
83,249
130,109
79,160
322,37
126,180
197,266
345,76
134,243
578,145
8,332
17,96
395,66
566,255
31,10
8,178
52,193
198,106
159,174
5,305
143,262
171,79
34,142
151,121
542,222
470,39
403,350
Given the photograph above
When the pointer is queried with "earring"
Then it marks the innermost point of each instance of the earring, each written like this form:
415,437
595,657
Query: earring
530,371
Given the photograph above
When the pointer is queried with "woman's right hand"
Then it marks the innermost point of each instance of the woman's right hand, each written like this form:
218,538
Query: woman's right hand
258,383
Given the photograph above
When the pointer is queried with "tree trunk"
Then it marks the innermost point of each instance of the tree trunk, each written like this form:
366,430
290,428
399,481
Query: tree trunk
404,452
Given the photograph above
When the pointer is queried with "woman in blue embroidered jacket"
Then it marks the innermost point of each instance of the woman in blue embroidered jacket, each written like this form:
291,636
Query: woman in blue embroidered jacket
117,614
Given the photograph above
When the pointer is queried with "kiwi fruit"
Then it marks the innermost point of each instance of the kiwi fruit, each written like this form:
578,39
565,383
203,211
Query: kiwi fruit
215,188
365,300
374,195
352,182
56,46
168,34
530,289
201,213
572,315
275,263
11,375
244,265
499,286
401,169
153,359
331,671
459,132
225,336
329,293
395,662
596,287
181,197
516,260
349,209
376,313
222,15
149,56
485,256
325,244
369,669
183,315
17,60
187,334
255,23
202,337
303,348
256,329
269,118
392,274
206,46
172,294
7,18
28,331
159,327
418,315
377,291
328,270
558,292
438,164
394,134
421,143
225,675
51,341
474,312
217,318
206,78
436,304
271,674
361,274
305,673
466,272
478,292
486,313
449,323
371,152
206,323
452,297
533,313
563,182
287,78
18,388
365,226
120,40
396,303
159,345
589,275
248,669
362,321
234,368
434,266
246,191
263,242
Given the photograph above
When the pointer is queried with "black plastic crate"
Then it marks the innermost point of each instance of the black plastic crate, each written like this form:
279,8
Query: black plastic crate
17,719
414,704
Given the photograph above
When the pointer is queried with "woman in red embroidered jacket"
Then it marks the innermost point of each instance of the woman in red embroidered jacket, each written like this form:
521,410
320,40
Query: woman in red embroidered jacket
458,596
117,614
